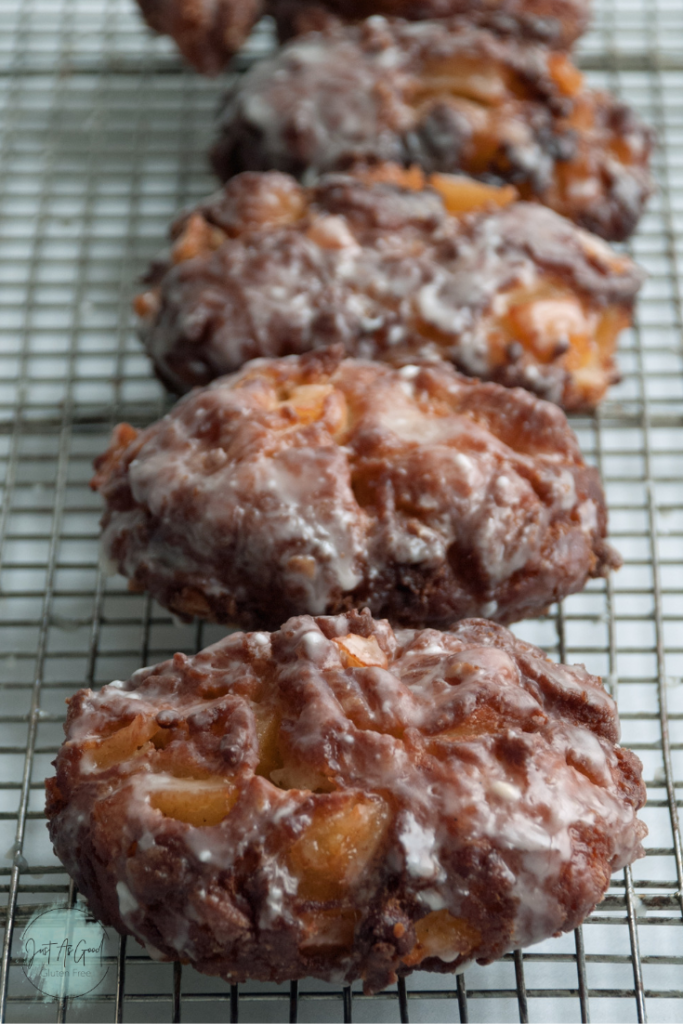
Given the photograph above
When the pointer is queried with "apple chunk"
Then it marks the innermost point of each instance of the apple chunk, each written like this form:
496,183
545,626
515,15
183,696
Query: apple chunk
328,932
483,721
195,801
440,934
123,744
337,846
360,651
267,718
462,194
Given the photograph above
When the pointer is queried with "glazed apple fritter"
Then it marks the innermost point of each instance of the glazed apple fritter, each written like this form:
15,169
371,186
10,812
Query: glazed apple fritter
209,32
337,799
392,269
450,98
316,484
557,23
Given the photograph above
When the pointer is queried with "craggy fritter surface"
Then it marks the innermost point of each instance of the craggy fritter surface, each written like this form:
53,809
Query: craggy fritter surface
207,32
337,800
266,267
314,484
448,97
556,23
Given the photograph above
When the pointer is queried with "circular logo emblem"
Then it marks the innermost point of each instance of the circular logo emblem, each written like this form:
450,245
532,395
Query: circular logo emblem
63,951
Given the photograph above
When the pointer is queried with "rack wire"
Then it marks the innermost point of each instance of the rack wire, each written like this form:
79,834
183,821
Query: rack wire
102,139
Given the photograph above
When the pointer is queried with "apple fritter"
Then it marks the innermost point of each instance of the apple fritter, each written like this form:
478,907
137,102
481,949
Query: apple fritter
315,484
438,798
447,96
557,23
392,266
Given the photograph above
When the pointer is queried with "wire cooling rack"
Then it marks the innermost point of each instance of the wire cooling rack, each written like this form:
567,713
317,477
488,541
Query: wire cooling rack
102,139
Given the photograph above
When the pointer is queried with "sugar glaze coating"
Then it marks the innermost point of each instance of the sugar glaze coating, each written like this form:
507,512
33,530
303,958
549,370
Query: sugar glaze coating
391,267
448,97
315,484
557,23
340,801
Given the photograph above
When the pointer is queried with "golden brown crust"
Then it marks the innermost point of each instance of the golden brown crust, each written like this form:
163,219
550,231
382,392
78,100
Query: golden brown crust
392,267
449,97
316,484
207,32
340,801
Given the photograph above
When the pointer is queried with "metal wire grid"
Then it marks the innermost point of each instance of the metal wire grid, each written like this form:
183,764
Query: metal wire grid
101,141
